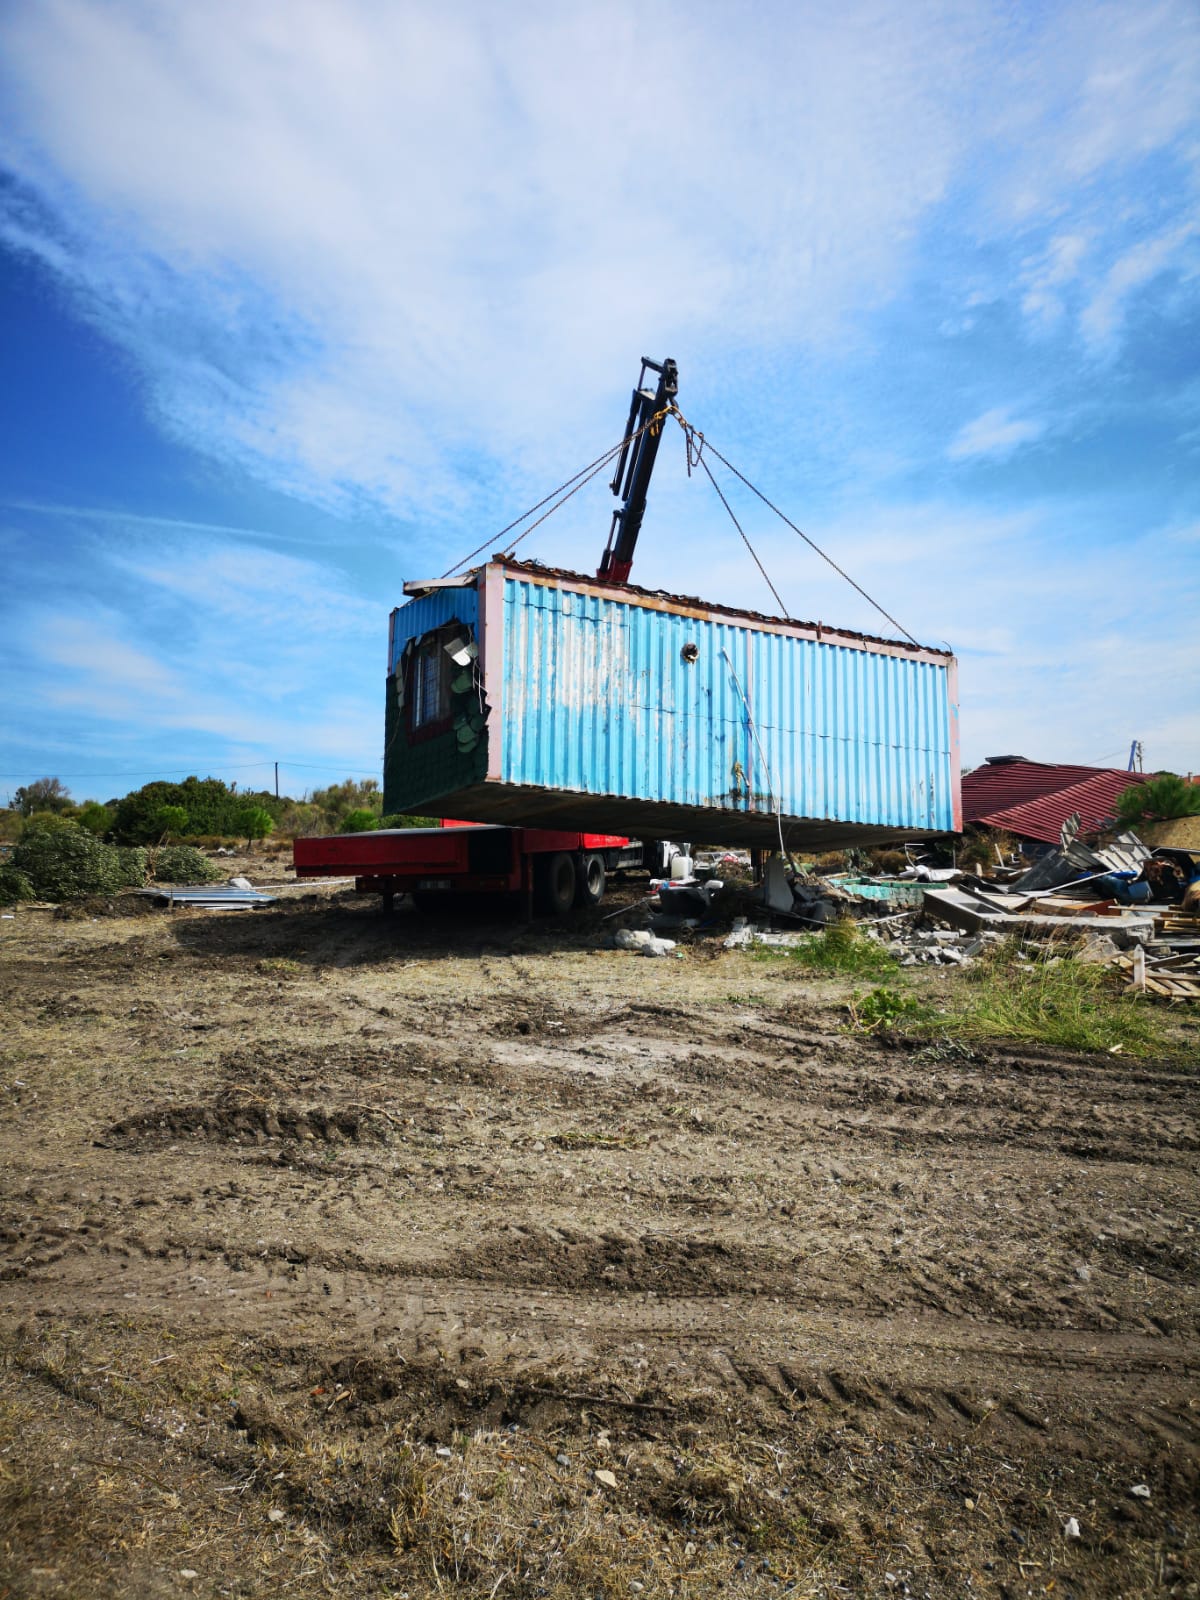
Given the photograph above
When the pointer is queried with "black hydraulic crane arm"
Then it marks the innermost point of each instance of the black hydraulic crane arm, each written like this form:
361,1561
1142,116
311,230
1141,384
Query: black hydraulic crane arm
632,477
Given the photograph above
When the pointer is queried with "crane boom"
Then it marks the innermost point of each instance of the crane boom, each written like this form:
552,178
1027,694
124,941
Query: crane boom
632,477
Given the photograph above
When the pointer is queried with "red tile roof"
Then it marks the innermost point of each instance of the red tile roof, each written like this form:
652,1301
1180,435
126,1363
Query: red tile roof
1033,798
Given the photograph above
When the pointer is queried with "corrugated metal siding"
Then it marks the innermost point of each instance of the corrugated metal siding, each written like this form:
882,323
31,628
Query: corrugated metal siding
1094,800
997,791
597,699
430,611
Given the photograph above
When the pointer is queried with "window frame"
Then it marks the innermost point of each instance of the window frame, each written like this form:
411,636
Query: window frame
428,659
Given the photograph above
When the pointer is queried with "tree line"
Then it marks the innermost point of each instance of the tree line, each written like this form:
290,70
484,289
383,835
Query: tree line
201,809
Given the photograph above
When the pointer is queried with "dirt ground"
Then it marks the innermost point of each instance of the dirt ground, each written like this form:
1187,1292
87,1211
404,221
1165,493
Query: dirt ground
352,1255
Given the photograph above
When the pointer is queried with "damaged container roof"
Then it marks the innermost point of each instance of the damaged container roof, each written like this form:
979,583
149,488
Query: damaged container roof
521,694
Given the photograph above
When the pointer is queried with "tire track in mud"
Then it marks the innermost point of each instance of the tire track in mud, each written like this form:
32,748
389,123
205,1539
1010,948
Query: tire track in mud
739,1344
848,1216
548,1186
651,1149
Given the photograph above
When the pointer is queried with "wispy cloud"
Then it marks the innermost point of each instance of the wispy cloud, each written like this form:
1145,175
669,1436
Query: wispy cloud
994,435
1138,266
118,518
1046,275
269,652
101,664
380,258
320,290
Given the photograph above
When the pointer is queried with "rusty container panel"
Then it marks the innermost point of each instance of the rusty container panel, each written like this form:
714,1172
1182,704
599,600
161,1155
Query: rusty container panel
648,715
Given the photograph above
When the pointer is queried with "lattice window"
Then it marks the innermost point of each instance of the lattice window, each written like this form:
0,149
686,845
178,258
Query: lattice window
430,681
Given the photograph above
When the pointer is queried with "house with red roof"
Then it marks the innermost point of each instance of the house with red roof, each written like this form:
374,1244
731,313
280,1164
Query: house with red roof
1033,799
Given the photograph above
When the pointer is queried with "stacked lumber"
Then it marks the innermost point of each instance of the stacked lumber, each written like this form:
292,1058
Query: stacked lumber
1170,966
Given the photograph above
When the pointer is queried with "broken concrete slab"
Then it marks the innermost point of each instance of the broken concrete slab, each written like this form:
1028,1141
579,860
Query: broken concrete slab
973,914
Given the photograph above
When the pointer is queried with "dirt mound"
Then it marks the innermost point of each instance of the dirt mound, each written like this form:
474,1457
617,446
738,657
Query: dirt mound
572,1257
122,905
226,1118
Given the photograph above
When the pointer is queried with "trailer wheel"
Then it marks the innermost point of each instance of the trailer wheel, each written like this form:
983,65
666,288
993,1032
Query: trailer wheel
555,883
589,888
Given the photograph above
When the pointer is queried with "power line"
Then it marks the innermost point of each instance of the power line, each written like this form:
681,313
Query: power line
782,608
696,445
579,479
812,544
190,771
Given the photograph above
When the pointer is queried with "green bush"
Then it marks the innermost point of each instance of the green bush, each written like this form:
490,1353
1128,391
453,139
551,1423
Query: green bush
254,822
358,822
210,805
133,864
182,863
14,885
68,863
884,1008
300,820
46,822
339,799
397,819
1160,800
171,820
94,817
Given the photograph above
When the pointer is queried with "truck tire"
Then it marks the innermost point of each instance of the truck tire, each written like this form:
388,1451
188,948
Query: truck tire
591,879
555,878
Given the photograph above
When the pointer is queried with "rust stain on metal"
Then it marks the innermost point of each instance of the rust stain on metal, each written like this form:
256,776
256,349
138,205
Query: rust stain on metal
704,611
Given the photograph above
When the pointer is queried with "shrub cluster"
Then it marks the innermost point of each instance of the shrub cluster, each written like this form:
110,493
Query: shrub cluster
182,863
14,885
361,821
1161,798
68,863
195,806
197,810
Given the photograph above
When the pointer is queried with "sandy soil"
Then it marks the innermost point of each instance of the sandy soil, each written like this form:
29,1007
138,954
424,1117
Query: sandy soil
692,1289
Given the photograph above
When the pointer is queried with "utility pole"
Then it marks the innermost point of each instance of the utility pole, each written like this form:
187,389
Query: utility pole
277,780
1135,756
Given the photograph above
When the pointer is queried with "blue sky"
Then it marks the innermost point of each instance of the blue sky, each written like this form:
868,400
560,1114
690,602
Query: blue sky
303,301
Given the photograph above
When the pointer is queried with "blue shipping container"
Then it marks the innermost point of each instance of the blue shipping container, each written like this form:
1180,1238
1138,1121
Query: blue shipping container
525,695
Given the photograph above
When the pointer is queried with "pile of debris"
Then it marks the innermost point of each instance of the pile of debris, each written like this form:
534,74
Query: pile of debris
939,947
1169,963
1117,905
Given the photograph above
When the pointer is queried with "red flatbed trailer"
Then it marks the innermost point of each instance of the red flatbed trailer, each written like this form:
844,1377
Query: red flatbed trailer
556,869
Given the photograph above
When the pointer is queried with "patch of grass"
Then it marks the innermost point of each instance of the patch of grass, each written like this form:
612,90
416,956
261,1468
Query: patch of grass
885,1008
585,1139
1063,1002
840,950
